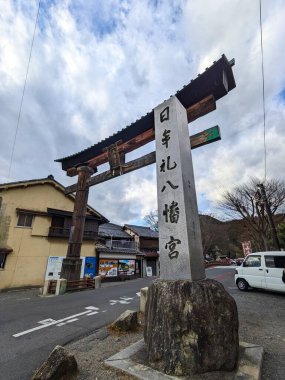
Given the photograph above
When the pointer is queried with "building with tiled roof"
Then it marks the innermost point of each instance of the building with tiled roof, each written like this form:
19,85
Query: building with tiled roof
147,243
35,222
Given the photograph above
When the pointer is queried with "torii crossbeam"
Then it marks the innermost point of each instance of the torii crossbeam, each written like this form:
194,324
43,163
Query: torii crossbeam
198,98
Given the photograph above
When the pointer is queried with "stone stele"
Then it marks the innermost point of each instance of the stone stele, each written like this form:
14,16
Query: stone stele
191,327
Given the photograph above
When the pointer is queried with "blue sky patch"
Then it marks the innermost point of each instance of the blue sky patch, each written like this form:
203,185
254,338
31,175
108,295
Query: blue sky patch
281,95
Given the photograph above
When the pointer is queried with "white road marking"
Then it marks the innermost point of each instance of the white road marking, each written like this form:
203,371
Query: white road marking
46,321
72,320
127,298
69,321
58,322
123,300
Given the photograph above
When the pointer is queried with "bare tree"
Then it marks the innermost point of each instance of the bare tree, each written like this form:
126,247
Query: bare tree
245,202
152,220
212,233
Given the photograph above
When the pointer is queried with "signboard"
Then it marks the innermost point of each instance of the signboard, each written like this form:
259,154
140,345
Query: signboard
53,267
108,268
89,267
127,267
246,247
149,271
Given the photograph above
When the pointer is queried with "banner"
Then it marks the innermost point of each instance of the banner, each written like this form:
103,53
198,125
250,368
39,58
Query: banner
127,267
108,268
89,267
246,247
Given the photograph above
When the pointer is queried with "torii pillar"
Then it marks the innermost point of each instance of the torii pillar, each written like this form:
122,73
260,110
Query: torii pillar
71,265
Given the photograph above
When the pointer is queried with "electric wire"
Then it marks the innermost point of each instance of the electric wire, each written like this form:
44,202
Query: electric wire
23,94
263,91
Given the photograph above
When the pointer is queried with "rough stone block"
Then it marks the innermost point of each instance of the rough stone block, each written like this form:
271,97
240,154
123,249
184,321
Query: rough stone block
60,286
191,327
59,365
128,321
97,282
143,299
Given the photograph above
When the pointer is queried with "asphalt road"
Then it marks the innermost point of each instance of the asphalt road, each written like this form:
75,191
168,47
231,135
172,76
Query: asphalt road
31,326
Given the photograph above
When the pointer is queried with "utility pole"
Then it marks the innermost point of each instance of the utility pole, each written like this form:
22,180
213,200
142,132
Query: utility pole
269,214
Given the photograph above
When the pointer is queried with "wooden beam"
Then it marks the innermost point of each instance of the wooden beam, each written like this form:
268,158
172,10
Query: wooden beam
203,138
126,147
199,109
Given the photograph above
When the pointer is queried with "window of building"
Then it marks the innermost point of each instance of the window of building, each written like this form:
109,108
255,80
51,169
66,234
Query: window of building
25,220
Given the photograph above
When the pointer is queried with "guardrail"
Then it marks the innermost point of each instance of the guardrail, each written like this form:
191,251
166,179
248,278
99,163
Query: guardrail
82,284
52,287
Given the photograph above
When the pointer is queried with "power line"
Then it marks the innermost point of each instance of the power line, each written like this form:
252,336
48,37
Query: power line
23,93
263,92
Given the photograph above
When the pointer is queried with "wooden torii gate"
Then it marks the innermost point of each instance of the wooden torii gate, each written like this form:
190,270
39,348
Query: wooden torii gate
198,98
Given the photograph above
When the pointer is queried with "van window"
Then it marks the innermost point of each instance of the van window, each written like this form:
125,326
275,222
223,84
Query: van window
275,261
252,261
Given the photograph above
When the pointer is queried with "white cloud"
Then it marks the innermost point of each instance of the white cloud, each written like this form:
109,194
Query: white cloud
98,66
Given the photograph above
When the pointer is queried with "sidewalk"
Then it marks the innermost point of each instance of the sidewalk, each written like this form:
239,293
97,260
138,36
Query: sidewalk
29,293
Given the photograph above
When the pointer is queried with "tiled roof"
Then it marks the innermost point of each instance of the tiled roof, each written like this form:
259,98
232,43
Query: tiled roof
113,230
217,80
142,231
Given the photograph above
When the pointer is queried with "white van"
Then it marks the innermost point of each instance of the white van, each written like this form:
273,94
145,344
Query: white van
262,270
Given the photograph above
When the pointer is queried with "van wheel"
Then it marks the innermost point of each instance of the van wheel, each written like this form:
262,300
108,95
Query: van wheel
242,284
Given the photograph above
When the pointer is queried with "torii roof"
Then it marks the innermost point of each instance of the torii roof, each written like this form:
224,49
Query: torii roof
216,80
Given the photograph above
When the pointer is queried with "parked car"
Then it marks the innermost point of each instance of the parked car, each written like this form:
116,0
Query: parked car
262,270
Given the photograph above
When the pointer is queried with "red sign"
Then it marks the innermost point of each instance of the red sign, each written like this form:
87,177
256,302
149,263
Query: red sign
246,247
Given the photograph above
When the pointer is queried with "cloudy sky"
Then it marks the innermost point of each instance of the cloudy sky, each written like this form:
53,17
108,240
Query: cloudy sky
98,65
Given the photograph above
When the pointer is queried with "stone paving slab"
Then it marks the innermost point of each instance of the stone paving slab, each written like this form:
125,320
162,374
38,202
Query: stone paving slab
249,367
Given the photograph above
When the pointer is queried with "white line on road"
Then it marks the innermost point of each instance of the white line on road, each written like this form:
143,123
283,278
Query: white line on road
72,320
58,322
46,321
93,313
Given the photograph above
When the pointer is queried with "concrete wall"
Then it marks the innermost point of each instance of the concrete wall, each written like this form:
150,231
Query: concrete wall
26,265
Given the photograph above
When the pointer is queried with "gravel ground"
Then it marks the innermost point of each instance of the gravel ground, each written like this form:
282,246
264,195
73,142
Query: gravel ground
93,350
262,322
